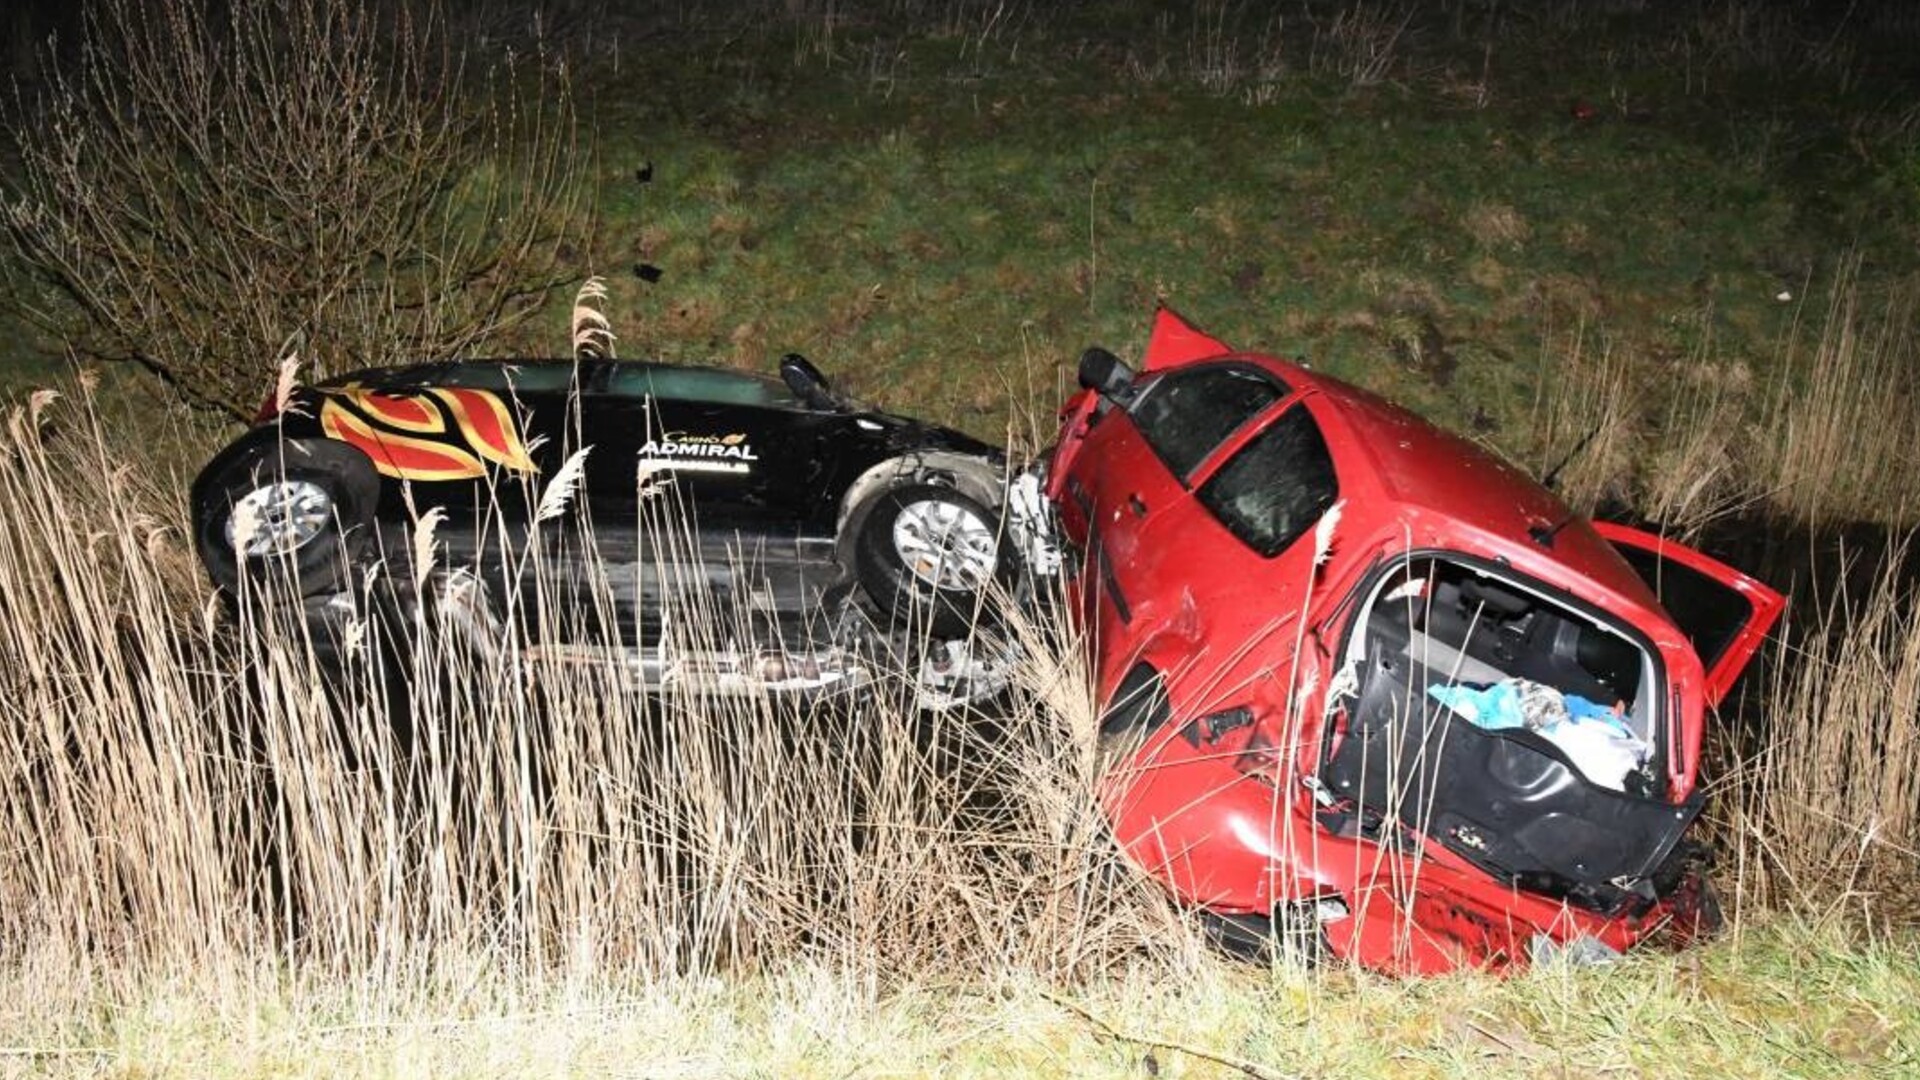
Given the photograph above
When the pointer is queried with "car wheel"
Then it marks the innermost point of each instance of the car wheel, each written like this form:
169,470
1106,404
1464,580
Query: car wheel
930,554
291,510
1689,903
962,673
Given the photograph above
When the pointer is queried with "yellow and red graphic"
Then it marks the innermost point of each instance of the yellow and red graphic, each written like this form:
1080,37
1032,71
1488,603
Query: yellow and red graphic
442,434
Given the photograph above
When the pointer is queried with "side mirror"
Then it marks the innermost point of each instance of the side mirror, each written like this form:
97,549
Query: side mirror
1104,374
806,382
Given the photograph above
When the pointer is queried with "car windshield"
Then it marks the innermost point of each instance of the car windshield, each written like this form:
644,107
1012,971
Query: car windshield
1186,413
668,382
1276,486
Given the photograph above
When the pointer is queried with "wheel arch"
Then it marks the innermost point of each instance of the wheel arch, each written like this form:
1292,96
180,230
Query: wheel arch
269,439
976,477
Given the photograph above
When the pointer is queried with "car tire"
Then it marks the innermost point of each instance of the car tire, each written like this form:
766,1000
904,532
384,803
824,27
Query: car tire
930,556
309,504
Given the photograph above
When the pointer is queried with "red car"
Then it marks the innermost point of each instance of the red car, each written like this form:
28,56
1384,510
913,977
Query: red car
1369,688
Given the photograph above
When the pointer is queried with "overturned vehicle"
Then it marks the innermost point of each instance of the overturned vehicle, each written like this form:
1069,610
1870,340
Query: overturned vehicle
806,541
1368,689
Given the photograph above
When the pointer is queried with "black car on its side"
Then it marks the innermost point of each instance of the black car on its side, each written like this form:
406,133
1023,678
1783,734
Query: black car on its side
597,493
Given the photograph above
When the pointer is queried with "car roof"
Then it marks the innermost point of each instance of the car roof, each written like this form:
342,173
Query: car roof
1416,464
691,382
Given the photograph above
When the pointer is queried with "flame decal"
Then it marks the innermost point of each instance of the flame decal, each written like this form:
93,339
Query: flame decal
488,426
403,457
446,434
403,413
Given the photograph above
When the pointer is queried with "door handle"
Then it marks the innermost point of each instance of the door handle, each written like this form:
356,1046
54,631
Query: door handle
1139,505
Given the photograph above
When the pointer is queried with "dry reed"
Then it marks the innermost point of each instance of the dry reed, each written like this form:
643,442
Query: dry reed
182,786
1835,443
1826,810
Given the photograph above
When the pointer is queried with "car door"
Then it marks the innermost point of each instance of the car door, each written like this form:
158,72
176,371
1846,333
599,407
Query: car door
1236,562
1725,613
1131,468
1240,552
735,446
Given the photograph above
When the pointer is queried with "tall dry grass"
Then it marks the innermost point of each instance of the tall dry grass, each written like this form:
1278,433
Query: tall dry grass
181,783
1835,442
1825,439
1587,420
1825,809
1818,803
185,781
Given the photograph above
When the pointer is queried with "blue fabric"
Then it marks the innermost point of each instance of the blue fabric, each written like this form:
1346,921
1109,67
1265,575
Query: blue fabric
1497,707
1592,736
1580,709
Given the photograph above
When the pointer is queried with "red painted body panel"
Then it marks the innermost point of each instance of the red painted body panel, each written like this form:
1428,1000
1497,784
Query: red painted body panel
1176,341
1165,582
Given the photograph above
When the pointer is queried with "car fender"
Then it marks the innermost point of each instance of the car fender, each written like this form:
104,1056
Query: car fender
271,435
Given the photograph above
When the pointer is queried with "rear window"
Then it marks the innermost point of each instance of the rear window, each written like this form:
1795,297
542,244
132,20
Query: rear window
1185,414
1276,487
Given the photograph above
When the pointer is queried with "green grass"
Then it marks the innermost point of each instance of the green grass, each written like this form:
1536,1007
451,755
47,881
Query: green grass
1781,999
944,203
937,233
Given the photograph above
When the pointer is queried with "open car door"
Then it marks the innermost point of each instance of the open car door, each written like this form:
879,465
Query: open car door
1725,613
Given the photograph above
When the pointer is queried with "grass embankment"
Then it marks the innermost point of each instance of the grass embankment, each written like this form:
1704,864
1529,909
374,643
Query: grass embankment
1584,211
1481,214
1783,1000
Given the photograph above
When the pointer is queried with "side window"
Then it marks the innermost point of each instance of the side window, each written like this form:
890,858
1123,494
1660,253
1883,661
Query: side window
1276,487
550,377
707,385
1187,413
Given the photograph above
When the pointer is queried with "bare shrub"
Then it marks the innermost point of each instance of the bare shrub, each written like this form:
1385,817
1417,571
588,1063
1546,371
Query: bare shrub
209,181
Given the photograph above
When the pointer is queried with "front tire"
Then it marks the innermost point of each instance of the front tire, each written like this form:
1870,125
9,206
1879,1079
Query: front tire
298,510
930,554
